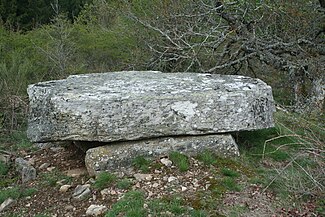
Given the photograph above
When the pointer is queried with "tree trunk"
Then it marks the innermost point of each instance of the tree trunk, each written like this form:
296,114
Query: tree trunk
318,95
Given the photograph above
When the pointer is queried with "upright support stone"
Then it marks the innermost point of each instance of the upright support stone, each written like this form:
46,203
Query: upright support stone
113,157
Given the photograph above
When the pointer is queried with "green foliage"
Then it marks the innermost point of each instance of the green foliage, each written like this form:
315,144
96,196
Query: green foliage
207,157
16,193
198,213
104,180
3,169
131,205
180,160
26,15
320,207
141,163
229,172
257,145
231,184
124,184
20,141
173,204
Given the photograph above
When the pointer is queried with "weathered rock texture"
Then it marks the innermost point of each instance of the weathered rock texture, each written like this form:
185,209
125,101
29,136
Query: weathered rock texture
120,106
115,156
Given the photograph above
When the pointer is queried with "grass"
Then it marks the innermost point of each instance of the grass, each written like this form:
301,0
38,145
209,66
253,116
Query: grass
172,204
131,205
124,184
16,193
207,157
20,141
180,160
3,169
104,180
141,163
229,172
230,184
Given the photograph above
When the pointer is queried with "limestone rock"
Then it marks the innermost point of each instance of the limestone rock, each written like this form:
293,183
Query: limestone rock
119,106
64,188
81,192
27,171
142,177
96,210
112,157
6,204
166,162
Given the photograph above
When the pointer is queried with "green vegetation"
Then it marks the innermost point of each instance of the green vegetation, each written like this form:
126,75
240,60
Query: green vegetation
141,163
124,184
230,184
16,193
131,205
207,157
3,169
229,172
104,180
180,160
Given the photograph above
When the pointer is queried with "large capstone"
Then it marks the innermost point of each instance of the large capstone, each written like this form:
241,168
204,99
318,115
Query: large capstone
120,106
115,157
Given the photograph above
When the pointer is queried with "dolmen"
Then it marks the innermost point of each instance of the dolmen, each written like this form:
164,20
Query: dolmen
147,113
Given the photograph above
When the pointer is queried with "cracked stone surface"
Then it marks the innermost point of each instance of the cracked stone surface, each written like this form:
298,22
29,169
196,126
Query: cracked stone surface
132,105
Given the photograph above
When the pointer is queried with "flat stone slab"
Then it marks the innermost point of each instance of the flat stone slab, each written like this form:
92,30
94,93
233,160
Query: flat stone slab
113,157
131,105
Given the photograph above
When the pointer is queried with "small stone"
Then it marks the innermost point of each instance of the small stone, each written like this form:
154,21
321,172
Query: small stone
65,188
28,205
44,166
142,177
119,174
5,157
96,210
171,178
81,191
184,188
50,169
155,185
158,171
6,204
166,162
61,182
137,185
91,181
105,192
69,207
165,178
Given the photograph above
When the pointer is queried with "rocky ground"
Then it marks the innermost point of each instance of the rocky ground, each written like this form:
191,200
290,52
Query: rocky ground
63,188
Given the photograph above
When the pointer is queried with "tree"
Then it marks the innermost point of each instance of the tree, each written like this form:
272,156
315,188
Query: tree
26,15
241,37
